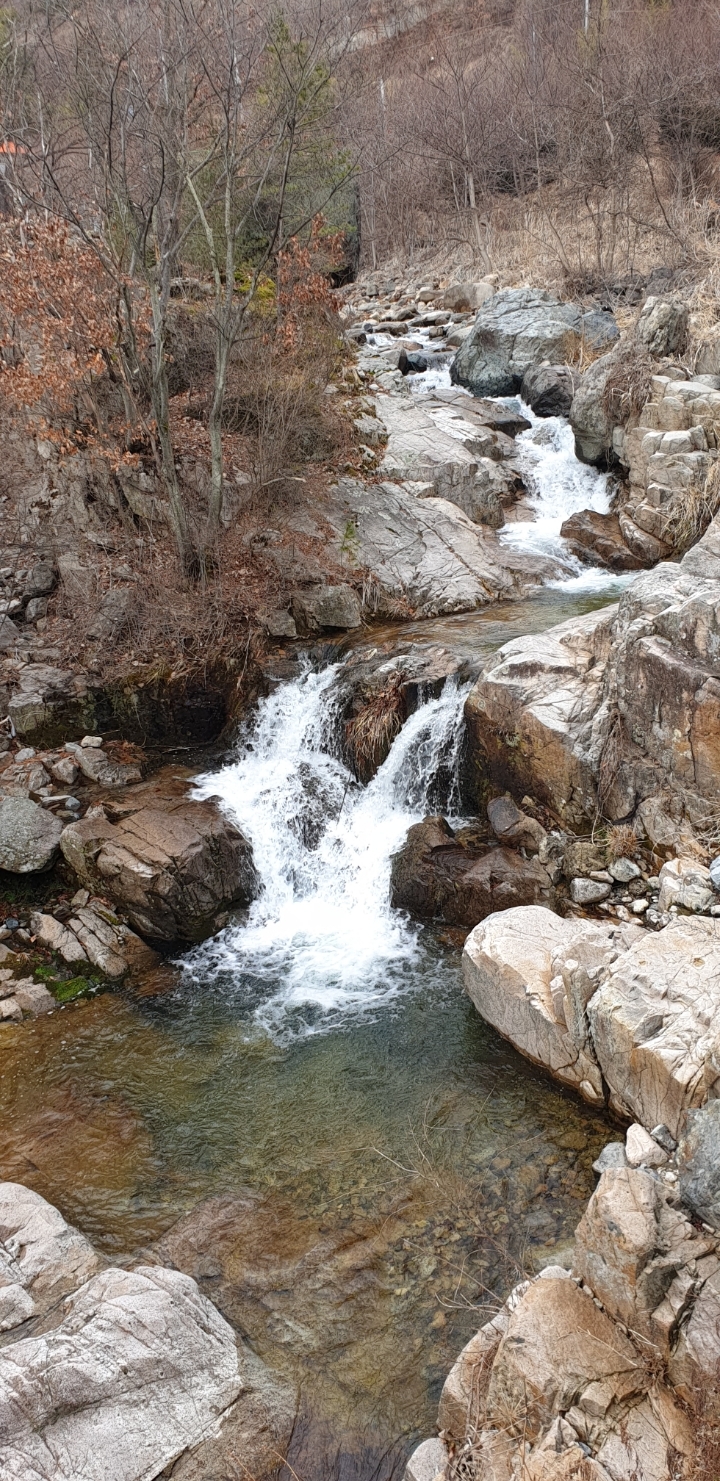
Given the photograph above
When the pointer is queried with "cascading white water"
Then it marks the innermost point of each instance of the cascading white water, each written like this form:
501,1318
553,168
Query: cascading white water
322,942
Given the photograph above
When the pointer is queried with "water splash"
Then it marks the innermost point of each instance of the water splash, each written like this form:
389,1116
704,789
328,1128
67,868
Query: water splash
321,942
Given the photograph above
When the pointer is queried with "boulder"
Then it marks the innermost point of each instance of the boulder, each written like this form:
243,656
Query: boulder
557,1343
40,580
597,540
652,1024
589,419
140,1368
531,975
699,1163
518,328
549,389
530,716
514,827
663,326
458,467
42,1258
29,836
324,608
434,876
168,862
685,882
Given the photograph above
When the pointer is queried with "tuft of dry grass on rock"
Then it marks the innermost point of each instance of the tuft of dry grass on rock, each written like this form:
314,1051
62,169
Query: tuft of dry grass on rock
692,515
622,841
370,734
628,385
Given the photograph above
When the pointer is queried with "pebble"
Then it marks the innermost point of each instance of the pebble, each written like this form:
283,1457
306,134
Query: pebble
623,870
640,907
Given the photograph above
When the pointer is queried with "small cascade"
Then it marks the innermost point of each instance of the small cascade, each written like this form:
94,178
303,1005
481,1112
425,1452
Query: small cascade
321,942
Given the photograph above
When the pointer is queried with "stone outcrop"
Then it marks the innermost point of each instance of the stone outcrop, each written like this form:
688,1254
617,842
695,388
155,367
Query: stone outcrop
436,876
518,328
457,459
94,936
620,1014
668,457
553,717
129,1372
169,863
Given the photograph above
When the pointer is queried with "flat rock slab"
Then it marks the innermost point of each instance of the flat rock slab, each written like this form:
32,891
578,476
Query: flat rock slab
42,1258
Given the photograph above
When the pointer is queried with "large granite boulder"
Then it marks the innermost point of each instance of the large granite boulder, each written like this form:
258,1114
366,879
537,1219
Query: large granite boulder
612,1010
42,1258
435,876
170,863
129,1373
607,711
29,836
549,389
520,327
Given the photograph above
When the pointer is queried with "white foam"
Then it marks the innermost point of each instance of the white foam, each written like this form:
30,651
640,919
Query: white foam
322,935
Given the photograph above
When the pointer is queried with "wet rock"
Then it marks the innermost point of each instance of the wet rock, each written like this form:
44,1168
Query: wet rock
549,389
412,363
169,863
699,1163
518,328
434,876
323,608
514,827
42,1258
29,836
597,539
663,326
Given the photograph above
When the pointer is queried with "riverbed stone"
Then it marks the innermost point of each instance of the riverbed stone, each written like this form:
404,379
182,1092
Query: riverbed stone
588,891
29,836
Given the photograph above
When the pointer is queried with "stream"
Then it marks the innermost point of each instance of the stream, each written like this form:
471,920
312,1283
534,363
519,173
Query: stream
386,1166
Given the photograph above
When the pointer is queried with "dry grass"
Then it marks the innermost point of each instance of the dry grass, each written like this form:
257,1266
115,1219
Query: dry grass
628,385
622,841
370,734
692,514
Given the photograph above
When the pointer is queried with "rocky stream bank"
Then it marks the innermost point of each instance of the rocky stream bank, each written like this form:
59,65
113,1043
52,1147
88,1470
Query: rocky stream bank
586,877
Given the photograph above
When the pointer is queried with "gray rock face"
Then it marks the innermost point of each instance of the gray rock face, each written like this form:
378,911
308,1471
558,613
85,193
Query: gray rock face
29,836
323,608
515,329
588,417
433,876
699,1163
145,1368
663,326
549,389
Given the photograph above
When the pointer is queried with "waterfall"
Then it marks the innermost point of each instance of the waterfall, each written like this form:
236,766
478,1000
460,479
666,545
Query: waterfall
321,942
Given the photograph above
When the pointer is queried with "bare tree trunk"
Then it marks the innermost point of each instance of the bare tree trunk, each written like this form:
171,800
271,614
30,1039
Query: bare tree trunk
160,398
